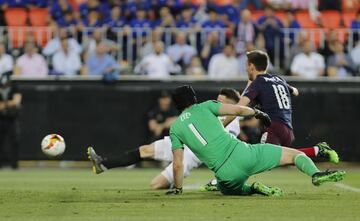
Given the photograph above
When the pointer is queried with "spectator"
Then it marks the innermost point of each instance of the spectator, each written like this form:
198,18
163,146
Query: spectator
6,61
166,19
329,44
54,44
68,20
148,47
31,63
195,68
243,59
257,3
101,63
308,64
232,11
340,64
210,48
59,8
292,23
213,21
10,104
224,65
161,117
65,61
355,26
270,26
97,37
181,53
297,48
245,31
157,64
186,19
140,21
92,20
93,5
116,20
355,55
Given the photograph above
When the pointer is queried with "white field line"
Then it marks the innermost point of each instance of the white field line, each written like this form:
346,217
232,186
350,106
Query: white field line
346,187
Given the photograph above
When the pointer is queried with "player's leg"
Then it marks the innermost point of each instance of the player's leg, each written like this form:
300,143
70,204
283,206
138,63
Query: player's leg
280,134
159,150
160,182
100,163
306,165
323,150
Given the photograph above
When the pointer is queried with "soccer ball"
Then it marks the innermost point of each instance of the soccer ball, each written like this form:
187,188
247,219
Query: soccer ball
53,145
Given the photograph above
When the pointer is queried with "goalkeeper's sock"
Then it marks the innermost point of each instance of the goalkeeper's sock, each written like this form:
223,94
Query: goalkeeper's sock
310,151
305,164
126,159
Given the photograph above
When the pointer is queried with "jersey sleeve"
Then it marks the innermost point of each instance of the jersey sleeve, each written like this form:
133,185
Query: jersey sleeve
252,90
213,106
175,141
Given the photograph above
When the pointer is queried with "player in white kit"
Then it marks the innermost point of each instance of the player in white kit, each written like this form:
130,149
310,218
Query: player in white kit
161,150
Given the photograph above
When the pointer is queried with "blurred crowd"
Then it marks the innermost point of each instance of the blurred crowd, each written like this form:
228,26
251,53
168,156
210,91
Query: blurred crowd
230,30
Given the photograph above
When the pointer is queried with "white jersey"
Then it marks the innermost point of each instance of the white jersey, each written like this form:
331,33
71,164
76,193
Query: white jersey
163,152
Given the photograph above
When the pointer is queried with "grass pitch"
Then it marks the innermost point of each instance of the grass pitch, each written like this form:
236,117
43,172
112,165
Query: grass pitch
44,194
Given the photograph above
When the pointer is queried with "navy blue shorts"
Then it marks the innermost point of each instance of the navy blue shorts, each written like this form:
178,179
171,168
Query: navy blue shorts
279,134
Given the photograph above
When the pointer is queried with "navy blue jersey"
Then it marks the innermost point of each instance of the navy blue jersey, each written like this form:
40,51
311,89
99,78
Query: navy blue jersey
273,95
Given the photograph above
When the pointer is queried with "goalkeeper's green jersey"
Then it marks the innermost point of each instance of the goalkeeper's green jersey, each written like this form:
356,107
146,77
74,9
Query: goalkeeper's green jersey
199,128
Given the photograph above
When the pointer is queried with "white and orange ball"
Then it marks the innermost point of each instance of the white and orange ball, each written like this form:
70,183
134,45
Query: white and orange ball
53,145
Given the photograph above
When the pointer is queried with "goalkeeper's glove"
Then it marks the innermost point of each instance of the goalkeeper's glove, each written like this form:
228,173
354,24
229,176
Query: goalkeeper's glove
263,117
174,191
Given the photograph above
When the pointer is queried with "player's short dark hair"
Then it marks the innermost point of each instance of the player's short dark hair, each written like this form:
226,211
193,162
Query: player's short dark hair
183,97
259,59
230,94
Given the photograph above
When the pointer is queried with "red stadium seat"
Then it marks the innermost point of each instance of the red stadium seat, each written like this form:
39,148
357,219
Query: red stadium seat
39,17
304,19
42,35
17,36
15,17
348,17
255,15
330,19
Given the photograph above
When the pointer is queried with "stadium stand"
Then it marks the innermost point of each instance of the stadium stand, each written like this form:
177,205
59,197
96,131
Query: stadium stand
36,22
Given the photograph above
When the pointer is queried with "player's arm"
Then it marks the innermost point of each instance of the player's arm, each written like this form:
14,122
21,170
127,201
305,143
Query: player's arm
238,110
244,101
295,91
178,166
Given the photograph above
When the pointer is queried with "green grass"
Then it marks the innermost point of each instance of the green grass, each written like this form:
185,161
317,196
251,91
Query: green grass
124,195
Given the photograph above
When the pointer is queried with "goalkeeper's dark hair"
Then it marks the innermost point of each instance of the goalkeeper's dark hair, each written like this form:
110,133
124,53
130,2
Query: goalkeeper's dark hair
259,59
183,97
230,93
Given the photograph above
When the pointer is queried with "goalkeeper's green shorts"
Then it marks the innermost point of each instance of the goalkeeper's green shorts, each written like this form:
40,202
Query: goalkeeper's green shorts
244,161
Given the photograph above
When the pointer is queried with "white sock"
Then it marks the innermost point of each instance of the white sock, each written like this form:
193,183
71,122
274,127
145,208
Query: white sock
316,149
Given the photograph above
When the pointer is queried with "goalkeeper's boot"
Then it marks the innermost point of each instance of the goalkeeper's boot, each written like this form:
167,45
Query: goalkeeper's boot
210,186
326,151
327,176
96,160
262,189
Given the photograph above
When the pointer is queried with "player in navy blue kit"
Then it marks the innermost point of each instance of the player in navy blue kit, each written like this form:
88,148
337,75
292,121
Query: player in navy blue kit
273,94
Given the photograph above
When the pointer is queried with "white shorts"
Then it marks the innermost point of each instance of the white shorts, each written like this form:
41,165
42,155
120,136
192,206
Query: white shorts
190,162
163,152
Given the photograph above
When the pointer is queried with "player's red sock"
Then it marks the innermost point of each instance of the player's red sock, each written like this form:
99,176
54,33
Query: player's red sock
310,151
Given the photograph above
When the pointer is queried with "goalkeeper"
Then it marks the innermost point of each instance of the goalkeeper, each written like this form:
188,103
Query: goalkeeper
232,161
